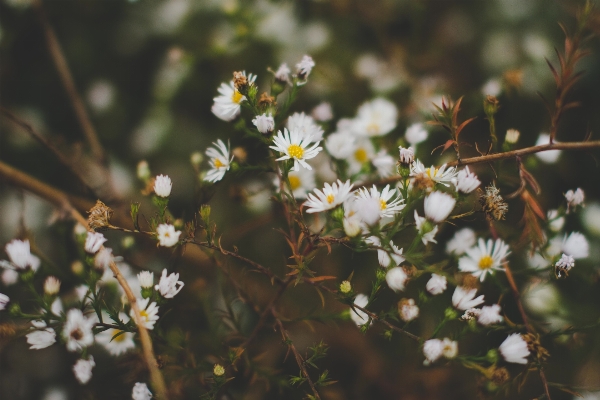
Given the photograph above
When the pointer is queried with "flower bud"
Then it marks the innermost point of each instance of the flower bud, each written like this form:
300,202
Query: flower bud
218,370
196,159
51,286
143,170
345,287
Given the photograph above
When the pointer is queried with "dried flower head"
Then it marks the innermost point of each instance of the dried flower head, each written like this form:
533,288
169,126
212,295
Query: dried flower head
99,216
492,203
535,346
500,376
265,100
240,82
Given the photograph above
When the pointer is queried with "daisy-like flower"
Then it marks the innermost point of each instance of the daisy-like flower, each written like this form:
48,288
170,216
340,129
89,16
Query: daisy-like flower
432,350
425,229
264,123
77,331
464,298
466,181
146,279
436,284
514,349
4,299
384,164
359,317
301,182
330,197
116,345
93,242
363,152
162,186
408,310
340,144
42,337
306,126
304,67
564,264
574,198
167,235
219,161
489,315
103,258
462,240
20,256
396,278
169,285
415,134
295,146
438,206
83,369
51,286
484,258
388,206
375,118
227,106
353,224
141,392
148,312
441,175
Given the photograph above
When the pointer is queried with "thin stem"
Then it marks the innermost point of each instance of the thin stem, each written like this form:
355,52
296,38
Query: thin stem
375,317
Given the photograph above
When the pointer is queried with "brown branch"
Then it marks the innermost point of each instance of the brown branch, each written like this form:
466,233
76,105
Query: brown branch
66,77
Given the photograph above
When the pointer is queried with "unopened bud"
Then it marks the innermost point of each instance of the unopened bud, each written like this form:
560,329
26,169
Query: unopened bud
51,286
240,154
196,159
512,136
218,370
490,105
345,287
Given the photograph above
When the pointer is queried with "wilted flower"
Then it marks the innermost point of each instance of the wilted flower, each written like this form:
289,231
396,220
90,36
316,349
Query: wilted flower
264,123
83,369
141,392
169,285
162,186
100,216
295,146
93,242
493,204
167,235
407,156
514,349
219,161
464,298
565,264
436,284
396,278
408,310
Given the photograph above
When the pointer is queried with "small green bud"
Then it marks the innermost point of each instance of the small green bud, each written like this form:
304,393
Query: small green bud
492,356
345,287
450,313
205,213
15,310
338,213
490,106
27,276
147,292
127,242
381,274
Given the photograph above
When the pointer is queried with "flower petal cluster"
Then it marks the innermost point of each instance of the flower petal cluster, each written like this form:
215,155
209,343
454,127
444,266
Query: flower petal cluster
83,369
306,125
4,299
388,206
484,258
340,144
103,258
407,156
574,198
51,285
148,312
438,206
77,331
162,185
264,123
167,235
20,256
489,315
169,285
304,67
384,163
296,147
141,392
408,310
436,284
375,118
219,161
42,337
565,264
330,197
514,349
425,229
146,279
396,278
93,242
301,182
464,298
466,181
415,134
442,175
433,349
360,317
227,106
462,240
117,345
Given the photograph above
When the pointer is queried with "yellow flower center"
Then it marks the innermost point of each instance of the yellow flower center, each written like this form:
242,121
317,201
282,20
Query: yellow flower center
295,151
330,198
373,128
294,182
218,163
383,204
486,262
432,173
361,155
144,315
237,97
119,338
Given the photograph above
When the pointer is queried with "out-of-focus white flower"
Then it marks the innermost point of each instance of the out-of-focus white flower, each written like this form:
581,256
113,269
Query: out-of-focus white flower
264,123
384,164
19,254
493,87
141,392
574,198
436,284
353,224
4,299
340,144
489,315
450,348
83,369
470,314
9,277
167,235
425,229
464,298
219,161
77,331
169,285
295,146
575,245
514,349
146,279
42,337
360,317
438,206
363,153
143,173
323,112
416,134
162,186
386,257
368,209
565,264
396,279
301,182
375,118
330,197
51,285
484,258
408,310
93,242
466,181
148,312
56,307
550,156
304,67
306,126
432,350
462,240
227,106
407,156
555,221
103,258
120,344
387,206
441,175
512,136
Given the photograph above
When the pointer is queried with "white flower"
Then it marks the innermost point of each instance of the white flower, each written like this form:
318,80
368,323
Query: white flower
492,87
295,146
415,134
340,145
141,392
9,276
436,284
408,310
19,253
550,156
146,279
375,118
363,153
227,106
462,240
470,314
219,161
353,224
484,258
83,369
56,307
565,264
51,285
283,73
4,299
368,209
387,206
489,315
407,156
574,198
40,339
93,242
264,123
322,112
438,206
464,298
103,258
386,257
384,164
304,67
450,348
301,182
120,344
167,235
396,278
77,331
143,173
148,312
439,175
360,317
514,349
512,136
330,197
169,285
466,181
306,126
432,350
162,186
576,245
425,230
555,221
